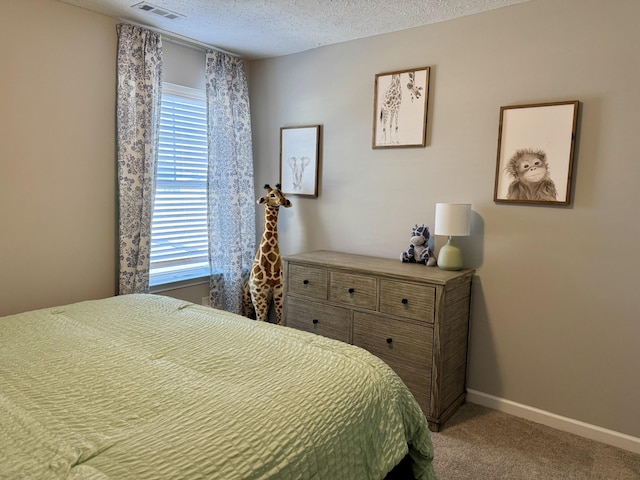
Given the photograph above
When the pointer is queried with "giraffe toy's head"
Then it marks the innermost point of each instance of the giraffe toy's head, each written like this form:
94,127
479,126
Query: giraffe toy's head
274,197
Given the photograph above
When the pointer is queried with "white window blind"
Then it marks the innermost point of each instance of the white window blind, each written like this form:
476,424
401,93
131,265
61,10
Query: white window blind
179,239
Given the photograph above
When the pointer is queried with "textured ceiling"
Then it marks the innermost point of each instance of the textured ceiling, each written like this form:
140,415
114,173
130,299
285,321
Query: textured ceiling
269,28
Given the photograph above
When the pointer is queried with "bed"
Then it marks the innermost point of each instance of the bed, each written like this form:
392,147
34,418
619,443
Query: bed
150,387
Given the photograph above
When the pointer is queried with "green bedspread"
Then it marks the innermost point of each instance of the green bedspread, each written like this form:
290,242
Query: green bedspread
148,387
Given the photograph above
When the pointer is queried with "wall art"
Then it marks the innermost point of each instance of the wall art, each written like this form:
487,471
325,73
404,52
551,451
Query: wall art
535,153
299,160
400,108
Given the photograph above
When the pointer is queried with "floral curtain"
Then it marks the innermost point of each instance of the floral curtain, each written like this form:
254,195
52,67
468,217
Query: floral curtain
230,180
139,73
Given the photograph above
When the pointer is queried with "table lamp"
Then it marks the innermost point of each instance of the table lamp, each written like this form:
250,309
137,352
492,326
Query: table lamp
452,220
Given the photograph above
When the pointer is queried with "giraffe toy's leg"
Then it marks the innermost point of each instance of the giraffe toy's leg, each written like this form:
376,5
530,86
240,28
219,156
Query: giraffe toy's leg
247,305
277,303
260,299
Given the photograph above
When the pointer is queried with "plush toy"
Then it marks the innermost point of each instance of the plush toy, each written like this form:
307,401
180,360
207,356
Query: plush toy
419,251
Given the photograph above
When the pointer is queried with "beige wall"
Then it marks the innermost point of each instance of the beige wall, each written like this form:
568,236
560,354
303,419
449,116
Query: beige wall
58,193
183,65
556,314
57,155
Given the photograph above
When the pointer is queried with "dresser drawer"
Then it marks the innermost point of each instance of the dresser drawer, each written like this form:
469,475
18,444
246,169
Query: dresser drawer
353,290
308,281
325,320
408,300
405,347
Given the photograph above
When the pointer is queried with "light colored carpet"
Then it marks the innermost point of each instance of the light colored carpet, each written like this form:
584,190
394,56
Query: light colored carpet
479,443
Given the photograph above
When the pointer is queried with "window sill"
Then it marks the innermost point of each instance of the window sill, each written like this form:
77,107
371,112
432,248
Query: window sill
164,287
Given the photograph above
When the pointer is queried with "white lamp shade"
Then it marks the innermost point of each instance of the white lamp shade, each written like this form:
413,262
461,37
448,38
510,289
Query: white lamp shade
453,219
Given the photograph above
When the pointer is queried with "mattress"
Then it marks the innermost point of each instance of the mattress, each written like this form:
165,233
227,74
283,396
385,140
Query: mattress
150,387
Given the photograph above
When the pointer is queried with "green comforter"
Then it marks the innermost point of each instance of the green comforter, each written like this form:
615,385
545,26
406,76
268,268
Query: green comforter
147,387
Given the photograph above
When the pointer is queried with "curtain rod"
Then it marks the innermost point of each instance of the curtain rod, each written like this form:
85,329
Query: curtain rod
180,39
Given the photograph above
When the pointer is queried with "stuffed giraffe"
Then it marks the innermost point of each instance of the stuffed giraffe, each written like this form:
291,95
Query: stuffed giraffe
265,280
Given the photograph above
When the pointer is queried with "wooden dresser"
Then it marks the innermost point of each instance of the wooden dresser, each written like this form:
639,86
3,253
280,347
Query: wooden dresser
415,318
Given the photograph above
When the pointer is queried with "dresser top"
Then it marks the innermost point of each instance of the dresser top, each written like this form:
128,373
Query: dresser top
379,266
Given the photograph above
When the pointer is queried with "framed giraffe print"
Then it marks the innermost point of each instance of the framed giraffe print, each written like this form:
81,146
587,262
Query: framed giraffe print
400,108
299,159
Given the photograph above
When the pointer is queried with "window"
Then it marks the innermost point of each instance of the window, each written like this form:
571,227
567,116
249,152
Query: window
179,238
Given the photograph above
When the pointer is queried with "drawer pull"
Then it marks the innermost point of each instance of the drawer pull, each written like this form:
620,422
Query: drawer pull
306,282
315,321
351,290
389,340
405,301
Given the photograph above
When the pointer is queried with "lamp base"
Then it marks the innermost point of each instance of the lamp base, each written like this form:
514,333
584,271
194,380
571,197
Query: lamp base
450,257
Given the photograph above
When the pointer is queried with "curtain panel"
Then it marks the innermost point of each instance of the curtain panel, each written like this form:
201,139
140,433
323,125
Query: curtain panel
231,202
139,71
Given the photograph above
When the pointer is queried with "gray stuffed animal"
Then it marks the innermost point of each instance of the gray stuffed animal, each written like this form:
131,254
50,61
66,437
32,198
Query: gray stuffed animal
419,251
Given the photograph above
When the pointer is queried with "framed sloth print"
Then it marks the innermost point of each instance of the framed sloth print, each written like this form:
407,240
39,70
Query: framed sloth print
535,153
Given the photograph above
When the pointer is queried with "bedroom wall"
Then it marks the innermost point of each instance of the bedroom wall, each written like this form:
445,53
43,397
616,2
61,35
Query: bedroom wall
58,194
555,308
58,232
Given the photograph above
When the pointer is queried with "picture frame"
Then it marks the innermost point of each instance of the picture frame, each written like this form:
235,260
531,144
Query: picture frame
536,146
400,107
299,160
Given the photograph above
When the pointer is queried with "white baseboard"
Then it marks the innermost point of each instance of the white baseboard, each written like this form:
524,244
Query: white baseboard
593,432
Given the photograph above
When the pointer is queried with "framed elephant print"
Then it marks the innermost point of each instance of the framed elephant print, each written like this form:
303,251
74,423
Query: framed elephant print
299,160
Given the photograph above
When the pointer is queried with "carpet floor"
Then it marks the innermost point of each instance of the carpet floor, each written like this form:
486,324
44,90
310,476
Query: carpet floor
479,443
